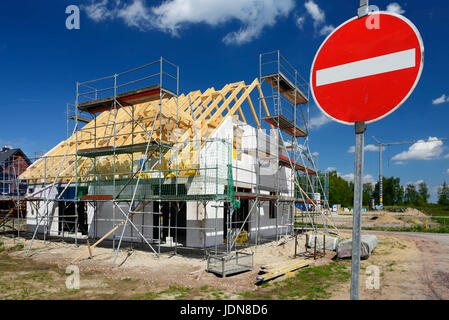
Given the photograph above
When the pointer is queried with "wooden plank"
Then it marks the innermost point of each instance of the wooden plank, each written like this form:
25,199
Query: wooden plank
284,269
90,249
5,218
236,105
251,106
102,238
111,231
279,264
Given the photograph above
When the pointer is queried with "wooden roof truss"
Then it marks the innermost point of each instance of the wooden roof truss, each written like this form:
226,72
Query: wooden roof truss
195,116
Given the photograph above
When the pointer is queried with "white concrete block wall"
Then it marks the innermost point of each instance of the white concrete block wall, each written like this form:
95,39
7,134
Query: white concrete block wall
33,216
102,223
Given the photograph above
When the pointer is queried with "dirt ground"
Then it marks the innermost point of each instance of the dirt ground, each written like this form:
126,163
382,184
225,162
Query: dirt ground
168,270
385,219
412,266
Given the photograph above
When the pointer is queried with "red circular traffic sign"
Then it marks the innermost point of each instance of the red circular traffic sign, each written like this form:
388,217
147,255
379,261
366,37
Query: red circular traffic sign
367,67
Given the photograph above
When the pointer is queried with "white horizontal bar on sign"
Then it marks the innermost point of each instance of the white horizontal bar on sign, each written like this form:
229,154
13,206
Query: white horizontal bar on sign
368,67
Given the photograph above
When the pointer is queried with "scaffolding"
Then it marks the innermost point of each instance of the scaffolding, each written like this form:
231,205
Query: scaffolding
290,118
141,157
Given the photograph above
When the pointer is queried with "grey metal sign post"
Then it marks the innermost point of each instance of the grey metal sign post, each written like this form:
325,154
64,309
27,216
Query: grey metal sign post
360,129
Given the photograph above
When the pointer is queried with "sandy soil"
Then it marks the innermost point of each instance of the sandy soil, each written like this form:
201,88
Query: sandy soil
412,266
385,219
168,270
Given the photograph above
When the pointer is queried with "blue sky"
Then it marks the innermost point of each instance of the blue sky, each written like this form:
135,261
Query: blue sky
215,43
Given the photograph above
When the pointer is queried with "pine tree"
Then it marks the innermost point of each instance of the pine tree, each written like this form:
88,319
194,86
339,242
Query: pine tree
443,194
423,193
411,196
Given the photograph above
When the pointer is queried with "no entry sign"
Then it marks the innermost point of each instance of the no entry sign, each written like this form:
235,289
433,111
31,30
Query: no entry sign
367,67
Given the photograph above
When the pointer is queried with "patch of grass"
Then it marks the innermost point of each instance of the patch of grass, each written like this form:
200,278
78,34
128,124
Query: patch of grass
246,295
311,283
179,293
390,266
417,228
16,247
126,279
37,275
150,295
217,295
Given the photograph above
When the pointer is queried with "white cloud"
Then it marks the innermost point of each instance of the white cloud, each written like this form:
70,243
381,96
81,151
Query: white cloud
368,178
318,121
318,17
372,147
447,171
172,16
368,147
300,22
326,30
446,156
422,150
415,183
331,169
315,154
348,177
395,8
315,12
98,11
136,14
400,162
441,99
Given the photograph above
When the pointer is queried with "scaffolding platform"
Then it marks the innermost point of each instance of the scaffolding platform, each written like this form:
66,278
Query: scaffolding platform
282,122
146,94
97,197
110,150
266,197
286,87
80,119
286,162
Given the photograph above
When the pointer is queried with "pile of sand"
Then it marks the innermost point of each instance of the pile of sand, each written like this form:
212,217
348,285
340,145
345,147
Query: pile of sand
410,212
413,212
387,219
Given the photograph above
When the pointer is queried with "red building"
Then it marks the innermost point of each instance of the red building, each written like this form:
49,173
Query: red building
13,162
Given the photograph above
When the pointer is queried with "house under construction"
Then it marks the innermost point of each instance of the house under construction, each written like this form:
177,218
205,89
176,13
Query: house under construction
213,170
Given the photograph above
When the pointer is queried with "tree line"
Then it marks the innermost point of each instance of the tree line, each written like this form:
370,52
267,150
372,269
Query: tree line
394,194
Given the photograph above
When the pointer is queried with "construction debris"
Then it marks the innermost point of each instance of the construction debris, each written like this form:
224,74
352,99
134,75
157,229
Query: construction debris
368,243
329,242
278,269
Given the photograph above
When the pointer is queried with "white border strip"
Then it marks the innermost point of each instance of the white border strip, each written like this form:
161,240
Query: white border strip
368,67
